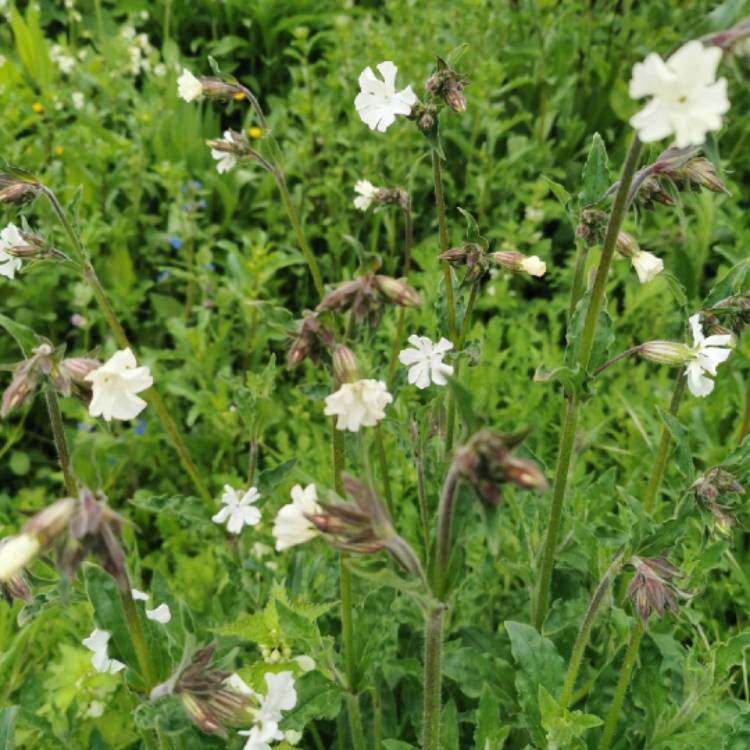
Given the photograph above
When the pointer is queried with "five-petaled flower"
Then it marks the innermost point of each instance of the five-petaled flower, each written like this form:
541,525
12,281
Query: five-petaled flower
358,404
189,87
646,265
281,696
97,642
425,361
686,98
239,509
115,385
707,354
228,152
10,237
292,525
378,102
367,194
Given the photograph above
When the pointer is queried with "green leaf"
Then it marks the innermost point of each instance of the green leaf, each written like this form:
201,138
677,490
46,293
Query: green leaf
571,378
596,179
464,400
731,283
558,191
449,726
168,715
26,339
317,698
682,439
398,745
472,228
539,664
564,728
488,733
8,727
603,336
269,479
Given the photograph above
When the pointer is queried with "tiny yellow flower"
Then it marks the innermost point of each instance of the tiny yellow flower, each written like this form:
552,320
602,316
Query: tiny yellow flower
239,96
59,150
255,132
37,107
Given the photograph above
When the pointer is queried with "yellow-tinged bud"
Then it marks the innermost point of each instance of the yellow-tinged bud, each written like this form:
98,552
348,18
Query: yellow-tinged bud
666,352
17,552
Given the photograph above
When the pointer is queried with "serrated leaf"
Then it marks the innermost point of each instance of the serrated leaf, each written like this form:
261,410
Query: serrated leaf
596,177
252,627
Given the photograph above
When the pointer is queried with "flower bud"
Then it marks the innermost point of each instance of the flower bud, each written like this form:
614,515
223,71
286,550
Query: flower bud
652,587
455,99
77,368
699,172
15,553
666,352
515,261
345,364
455,255
50,522
16,587
397,291
17,188
215,88
19,390
627,245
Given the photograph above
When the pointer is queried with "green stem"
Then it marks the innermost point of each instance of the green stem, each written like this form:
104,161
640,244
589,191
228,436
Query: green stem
662,453
421,491
58,431
445,532
586,344
397,342
582,253
433,648
451,406
450,302
151,394
383,462
582,639
136,633
622,685
299,234
745,426
345,588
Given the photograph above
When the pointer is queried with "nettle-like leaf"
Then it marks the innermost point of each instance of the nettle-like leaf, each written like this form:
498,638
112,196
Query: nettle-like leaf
564,728
539,664
596,179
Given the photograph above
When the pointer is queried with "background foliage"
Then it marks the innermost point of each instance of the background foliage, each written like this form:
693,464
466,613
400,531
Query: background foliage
206,274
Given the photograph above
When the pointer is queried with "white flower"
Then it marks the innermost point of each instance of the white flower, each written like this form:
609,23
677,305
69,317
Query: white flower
646,265
291,525
236,683
10,237
161,614
708,354
305,663
260,737
533,266
226,159
239,509
378,102
160,70
78,99
97,642
15,553
189,87
425,361
66,63
114,386
281,696
367,192
358,404
139,596
686,98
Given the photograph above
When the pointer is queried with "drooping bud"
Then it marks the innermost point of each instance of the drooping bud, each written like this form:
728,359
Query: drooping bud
311,337
627,245
515,261
486,462
397,291
666,352
447,85
697,173
215,88
77,368
18,186
652,587
345,364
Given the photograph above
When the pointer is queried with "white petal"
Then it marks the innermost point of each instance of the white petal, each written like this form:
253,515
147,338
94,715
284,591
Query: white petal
161,614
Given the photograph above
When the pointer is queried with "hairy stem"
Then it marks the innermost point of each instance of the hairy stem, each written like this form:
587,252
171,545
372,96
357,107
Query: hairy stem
58,431
151,394
586,344
433,648
623,681
445,532
450,302
662,453
576,290
582,639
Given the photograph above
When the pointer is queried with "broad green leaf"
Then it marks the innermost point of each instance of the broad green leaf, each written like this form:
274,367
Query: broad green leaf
564,728
317,698
731,283
558,191
596,177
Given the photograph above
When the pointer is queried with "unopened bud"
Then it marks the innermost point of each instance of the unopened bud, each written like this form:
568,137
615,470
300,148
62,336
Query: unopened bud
16,587
215,88
77,368
20,388
515,261
627,245
49,523
700,172
15,553
666,352
426,122
18,189
345,364
455,99
455,255
397,291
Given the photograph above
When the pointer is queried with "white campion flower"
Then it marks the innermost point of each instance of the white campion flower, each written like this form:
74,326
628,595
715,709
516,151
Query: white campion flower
291,525
115,384
533,266
161,614
425,361
189,87
97,642
281,696
16,552
260,737
686,98
378,102
238,510
646,265
358,404
367,192
226,160
10,237
708,353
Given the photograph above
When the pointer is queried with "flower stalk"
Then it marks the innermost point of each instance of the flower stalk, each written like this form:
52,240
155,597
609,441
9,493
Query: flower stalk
586,344
443,232
58,431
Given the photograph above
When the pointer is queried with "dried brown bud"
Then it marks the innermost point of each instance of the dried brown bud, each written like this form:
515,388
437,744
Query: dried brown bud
698,172
447,84
651,192
486,463
652,587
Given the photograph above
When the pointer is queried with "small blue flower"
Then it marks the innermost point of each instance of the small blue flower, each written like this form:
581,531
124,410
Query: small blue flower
196,184
175,242
163,276
209,267
202,203
111,460
83,427
140,428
